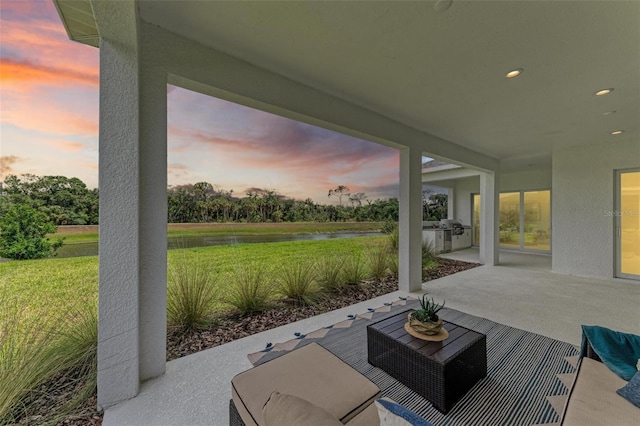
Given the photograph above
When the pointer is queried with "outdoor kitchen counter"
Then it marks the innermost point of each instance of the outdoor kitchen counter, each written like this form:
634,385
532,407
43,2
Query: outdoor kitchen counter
438,239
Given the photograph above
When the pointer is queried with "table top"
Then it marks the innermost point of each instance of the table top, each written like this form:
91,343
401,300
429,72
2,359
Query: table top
460,338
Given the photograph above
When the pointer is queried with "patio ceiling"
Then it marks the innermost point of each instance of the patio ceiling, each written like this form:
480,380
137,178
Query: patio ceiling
443,71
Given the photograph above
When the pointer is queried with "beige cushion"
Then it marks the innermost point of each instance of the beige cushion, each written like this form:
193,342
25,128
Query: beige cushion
289,410
311,373
368,417
594,401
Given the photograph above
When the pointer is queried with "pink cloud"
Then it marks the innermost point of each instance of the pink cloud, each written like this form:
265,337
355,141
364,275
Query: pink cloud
23,75
313,159
48,82
32,113
85,164
65,145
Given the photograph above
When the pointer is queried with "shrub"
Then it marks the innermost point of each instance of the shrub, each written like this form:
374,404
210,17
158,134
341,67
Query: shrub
77,348
296,282
26,358
43,357
354,270
394,239
394,264
428,253
389,227
378,257
23,232
328,271
192,294
251,292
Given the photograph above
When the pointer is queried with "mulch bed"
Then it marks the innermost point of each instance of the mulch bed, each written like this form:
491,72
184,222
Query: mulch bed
232,326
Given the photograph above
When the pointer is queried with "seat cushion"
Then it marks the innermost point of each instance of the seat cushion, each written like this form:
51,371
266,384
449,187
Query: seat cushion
594,401
289,410
311,373
367,417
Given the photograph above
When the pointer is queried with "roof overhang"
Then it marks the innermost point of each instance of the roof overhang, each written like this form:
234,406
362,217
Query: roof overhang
79,21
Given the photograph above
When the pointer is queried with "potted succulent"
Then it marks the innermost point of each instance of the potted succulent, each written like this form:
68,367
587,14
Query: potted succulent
425,320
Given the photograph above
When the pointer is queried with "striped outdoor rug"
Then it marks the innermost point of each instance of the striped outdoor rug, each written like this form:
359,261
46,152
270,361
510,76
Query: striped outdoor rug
528,375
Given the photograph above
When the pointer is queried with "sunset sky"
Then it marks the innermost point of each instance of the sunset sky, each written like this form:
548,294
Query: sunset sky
49,125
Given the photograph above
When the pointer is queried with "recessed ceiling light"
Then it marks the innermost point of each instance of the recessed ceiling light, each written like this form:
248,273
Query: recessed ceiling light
608,113
442,5
616,132
603,92
514,73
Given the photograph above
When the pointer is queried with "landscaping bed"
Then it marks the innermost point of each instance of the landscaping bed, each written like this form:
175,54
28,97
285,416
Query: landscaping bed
232,327
228,327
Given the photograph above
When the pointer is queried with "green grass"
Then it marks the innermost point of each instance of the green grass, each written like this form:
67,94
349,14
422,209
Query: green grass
88,237
48,320
328,272
251,290
50,284
44,352
89,234
191,293
297,282
54,284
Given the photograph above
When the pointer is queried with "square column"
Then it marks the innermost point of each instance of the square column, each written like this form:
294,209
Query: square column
410,221
133,224
489,218
451,203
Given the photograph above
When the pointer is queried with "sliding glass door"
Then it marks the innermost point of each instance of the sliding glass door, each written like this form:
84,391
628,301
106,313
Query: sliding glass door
525,220
537,220
476,219
510,220
627,224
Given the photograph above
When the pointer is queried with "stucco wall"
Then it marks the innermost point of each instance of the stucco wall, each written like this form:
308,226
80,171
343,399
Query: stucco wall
528,180
583,189
463,190
519,181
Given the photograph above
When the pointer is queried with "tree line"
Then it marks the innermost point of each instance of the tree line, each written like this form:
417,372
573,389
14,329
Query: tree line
68,201
201,202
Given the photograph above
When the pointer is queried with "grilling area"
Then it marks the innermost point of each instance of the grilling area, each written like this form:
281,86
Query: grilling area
446,235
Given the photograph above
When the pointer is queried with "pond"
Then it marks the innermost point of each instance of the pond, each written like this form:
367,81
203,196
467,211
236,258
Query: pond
91,249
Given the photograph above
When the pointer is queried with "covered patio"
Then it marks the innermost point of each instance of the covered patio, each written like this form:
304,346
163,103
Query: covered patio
428,78
196,389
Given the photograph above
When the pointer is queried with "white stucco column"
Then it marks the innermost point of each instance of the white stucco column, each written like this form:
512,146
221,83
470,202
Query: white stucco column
133,223
410,221
451,203
489,218
153,221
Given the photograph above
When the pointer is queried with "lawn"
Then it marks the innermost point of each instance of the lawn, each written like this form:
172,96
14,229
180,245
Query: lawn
89,233
48,322
57,284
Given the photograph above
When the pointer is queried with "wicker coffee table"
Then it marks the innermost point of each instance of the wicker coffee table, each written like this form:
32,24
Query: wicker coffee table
439,371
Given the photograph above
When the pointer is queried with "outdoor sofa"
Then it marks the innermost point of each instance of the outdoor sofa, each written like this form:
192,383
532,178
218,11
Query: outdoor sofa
594,397
310,386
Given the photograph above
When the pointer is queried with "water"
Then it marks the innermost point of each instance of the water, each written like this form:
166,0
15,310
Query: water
91,249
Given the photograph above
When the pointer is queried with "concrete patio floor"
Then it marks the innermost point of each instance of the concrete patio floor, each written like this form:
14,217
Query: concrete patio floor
521,292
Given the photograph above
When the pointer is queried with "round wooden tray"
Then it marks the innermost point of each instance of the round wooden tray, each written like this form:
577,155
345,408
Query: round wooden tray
439,337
